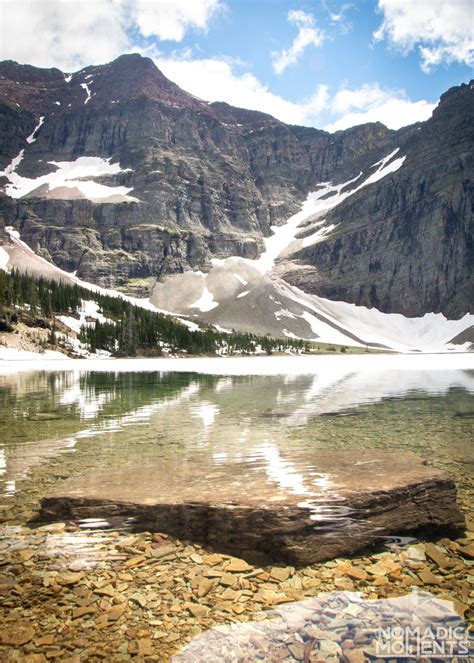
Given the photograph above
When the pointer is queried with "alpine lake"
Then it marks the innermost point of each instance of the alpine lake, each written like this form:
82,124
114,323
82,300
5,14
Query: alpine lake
99,590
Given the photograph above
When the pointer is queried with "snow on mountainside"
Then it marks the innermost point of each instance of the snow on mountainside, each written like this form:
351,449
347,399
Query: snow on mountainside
72,179
241,294
277,308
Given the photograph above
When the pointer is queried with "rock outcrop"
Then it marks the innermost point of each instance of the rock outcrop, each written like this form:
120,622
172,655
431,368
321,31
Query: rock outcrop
209,180
361,498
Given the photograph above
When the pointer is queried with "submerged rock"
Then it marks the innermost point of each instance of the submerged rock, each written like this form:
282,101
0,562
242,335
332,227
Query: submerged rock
356,499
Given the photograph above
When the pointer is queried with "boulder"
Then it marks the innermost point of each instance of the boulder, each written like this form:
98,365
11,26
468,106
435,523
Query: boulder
339,503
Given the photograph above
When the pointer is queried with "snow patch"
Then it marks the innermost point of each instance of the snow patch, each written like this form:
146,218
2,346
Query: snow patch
240,279
243,294
13,354
290,334
88,92
70,175
32,137
384,170
192,326
88,309
67,78
430,333
223,330
284,313
324,199
11,168
205,302
314,204
325,333
318,235
381,163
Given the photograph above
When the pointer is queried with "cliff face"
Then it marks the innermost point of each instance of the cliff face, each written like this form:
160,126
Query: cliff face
199,180
405,243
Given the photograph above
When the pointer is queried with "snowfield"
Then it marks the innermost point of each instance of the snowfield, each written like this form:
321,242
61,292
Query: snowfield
430,333
226,290
69,176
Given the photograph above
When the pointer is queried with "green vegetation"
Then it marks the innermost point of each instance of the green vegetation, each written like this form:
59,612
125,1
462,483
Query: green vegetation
131,330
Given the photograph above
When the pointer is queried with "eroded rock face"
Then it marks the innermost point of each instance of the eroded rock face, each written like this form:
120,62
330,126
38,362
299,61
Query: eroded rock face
210,181
358,499
404,244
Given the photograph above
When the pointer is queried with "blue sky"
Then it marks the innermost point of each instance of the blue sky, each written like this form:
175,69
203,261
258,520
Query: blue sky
324,63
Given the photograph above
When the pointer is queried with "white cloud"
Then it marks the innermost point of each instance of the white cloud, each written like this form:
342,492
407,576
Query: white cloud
170,19
308,35
338,18
71,35
441,30
61,34
214,79
371,103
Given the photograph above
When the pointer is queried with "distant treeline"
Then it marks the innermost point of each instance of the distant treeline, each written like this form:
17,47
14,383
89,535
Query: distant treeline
132,330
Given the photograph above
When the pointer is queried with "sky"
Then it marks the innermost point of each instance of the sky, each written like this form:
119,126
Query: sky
330,64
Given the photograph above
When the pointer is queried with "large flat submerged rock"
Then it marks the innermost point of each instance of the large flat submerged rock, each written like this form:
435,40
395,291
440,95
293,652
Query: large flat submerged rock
300,511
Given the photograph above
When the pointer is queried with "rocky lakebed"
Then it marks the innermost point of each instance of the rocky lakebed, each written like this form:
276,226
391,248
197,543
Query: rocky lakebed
84,580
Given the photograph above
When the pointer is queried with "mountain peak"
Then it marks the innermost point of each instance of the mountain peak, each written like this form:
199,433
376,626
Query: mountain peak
51,91
130,76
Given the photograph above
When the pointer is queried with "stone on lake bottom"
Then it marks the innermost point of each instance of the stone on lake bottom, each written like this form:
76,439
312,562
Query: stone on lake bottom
17,634
359,498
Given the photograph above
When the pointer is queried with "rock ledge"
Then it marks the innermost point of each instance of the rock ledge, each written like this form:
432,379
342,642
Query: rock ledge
361,498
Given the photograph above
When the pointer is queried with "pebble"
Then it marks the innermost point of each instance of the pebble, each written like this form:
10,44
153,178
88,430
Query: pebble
145,648
428,578
416,553
354,656
237,566
437,556
17,634
297,651
279,573
204,587
198,610
80,612
467,551
227,579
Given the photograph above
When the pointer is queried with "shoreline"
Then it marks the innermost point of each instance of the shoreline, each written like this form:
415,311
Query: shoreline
248,365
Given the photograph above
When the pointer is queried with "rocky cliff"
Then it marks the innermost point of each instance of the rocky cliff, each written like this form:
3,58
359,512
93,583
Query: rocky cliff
148,181
405,243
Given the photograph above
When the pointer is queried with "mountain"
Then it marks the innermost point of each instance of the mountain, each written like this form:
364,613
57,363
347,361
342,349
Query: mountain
115,174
